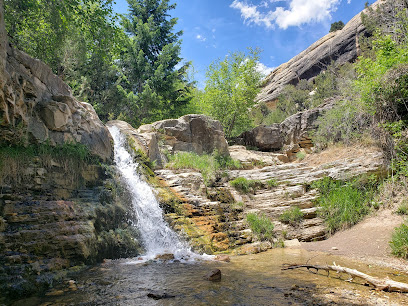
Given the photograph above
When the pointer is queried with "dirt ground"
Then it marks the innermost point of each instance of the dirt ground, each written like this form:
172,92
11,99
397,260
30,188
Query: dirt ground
367,241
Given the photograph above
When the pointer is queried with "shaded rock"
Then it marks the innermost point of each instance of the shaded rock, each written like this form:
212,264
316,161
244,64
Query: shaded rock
36,102
214,275
156,295
340,46
292,131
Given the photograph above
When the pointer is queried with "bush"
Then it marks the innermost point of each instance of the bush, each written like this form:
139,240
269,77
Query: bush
399,241
260,225
246,186
272,183
292,216
335,26
343,204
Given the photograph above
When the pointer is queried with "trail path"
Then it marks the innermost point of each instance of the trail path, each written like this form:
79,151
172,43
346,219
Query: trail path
366,241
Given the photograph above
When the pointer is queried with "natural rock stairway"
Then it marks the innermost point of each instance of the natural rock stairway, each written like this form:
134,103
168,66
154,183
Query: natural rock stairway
225,224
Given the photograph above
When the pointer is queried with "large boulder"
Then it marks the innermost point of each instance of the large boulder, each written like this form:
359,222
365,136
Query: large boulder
190,133
340,46
293,130
36,107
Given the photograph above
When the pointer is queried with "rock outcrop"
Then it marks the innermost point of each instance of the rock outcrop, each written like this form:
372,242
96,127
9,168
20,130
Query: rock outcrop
37,107
293,130
190,133
214,218
340,46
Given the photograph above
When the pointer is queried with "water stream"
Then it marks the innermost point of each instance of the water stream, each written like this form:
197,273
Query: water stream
157,236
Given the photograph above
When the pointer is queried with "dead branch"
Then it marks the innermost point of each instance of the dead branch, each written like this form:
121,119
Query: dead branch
384,284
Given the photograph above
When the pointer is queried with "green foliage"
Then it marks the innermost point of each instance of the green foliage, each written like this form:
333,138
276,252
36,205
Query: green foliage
403,208
231,88
399,241
292,216
345,122
246,186
335,26
300,155
272,183
261,226
154,88
343,204
209,166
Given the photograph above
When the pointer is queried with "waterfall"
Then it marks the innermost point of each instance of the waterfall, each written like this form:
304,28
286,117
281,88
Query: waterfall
157,236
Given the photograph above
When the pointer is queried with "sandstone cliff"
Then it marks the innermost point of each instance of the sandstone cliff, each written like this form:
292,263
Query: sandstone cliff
341,46
36,106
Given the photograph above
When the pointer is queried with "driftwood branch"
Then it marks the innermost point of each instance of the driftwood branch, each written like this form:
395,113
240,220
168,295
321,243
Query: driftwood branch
384,284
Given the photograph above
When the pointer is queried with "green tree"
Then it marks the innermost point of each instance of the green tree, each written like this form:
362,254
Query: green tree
230,91
335,26
156,88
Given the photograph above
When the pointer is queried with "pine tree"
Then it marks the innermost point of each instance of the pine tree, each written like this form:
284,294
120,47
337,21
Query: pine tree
156,88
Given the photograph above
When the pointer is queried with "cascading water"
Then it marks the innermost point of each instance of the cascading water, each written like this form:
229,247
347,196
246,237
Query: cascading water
157,236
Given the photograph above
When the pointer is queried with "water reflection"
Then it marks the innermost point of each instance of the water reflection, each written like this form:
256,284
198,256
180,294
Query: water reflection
246,280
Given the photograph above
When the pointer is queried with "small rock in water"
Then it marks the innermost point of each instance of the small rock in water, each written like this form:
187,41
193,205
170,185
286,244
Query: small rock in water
214,275
159,295
225,258
164,257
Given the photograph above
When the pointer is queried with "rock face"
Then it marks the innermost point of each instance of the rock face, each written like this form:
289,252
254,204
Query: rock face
341,46
56,213
292,131
36,106
190,133
214,218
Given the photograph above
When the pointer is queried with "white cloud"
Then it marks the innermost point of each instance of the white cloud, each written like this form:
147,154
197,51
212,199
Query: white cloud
201,38
262,68
297,13
348,1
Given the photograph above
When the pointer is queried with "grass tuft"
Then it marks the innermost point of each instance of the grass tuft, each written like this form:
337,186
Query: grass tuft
292,216
261,226
209,166
399,241
343,204
246,186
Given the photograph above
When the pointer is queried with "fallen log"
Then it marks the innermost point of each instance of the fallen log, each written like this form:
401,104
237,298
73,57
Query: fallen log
384,284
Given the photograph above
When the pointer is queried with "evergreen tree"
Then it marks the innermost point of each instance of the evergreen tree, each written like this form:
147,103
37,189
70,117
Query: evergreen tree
155,88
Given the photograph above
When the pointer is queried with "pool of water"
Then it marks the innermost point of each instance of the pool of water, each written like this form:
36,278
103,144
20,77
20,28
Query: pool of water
246,280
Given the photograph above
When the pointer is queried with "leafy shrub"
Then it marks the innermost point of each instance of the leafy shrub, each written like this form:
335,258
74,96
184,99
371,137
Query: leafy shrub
260,225
246,186
343,204
399,241
272,183
300,155
345,123
292,216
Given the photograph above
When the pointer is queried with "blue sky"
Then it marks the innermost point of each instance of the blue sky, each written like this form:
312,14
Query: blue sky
281,28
